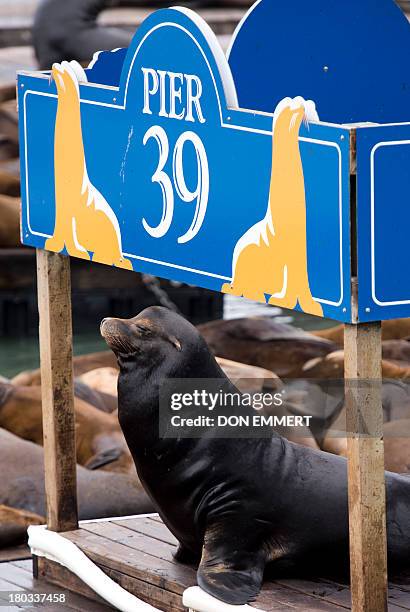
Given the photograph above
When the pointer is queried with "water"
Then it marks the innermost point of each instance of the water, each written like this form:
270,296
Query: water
19,354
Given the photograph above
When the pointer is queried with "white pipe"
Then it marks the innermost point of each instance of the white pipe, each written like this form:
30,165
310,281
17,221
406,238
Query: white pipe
197,600
53,546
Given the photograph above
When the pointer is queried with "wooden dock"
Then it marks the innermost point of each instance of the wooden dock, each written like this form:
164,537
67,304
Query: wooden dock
17,577
137,554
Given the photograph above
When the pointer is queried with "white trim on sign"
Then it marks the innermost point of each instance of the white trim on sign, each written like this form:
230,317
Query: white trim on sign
239,27
378,146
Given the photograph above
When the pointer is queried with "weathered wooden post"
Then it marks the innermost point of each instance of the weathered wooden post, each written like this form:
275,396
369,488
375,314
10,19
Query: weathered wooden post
54,302
367,503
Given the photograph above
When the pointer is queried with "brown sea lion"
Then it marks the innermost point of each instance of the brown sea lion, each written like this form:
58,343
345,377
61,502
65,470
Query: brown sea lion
397,446
14,523
237,504
261,341
397,350
104,380
396,408
9,221
100,494
248,378
395,329
332,366
98,435
106,402
9,184
81,364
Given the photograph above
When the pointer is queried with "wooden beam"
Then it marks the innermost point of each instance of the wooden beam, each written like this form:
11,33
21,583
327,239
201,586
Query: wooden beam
367,497
54,303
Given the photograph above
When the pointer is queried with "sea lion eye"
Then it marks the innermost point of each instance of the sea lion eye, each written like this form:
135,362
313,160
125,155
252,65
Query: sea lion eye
143,330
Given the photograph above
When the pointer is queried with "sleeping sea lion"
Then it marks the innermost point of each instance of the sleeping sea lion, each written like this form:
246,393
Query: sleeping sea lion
261,341
100,494
331,366
70,29
81,364
9,221
103,380
240,504
106,402
394,329
14,523
98,435
9,184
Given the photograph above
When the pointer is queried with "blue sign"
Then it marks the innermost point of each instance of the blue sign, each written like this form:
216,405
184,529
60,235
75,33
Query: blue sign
350,56
155,168
383,167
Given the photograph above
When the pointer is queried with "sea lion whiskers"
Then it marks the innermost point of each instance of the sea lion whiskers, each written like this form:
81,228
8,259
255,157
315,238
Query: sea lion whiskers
126,335
115,333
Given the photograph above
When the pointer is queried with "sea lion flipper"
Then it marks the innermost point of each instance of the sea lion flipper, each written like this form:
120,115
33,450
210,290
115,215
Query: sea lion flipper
232,575
184,555
236,586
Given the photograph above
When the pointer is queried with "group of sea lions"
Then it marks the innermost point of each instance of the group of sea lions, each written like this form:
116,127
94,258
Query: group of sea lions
237,504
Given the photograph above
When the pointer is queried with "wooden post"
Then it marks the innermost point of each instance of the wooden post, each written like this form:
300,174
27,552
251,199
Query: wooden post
54,303
367,497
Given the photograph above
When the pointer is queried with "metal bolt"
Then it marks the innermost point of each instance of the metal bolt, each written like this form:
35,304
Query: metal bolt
367,309
325,68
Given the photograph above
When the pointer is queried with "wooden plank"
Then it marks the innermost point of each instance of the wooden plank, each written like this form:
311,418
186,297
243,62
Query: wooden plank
325,590
26,565
54,301
80,596
58,575
15,552
173,577
150,528
16,576
132,539
156,596
367,498
274,594
151,551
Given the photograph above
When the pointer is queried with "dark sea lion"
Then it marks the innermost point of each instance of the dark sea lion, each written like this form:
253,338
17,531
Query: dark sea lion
97,433
240,503
64,30
71,30
261,341
100,494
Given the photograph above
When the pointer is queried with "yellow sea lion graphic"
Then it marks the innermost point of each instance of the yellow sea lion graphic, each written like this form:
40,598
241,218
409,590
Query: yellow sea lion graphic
84,220
271,257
